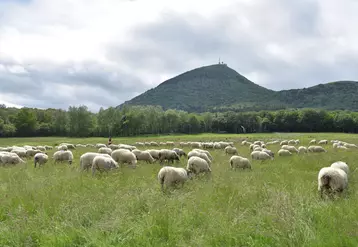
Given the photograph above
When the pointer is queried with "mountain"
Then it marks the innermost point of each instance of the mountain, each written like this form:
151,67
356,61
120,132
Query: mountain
218,88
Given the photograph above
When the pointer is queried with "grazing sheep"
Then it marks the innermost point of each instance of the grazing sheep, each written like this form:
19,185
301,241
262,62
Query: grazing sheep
86,159
145,155
62,147
332,179
198,165
231,150
239,162
20,152
60,156
316,149
284,152
170,176
350,145
180,152
302,150
341,165
314,141
323,142
204,151
105,150
169,155
100,145
103,163
202,155
269,152
124,156
260,155
10,158
40,158
113,146
32,152
154,153
292,149
284,142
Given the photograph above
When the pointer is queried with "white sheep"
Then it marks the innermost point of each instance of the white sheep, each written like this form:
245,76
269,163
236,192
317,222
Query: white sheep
10,158
124,156
32,152
103,163
86,159
323,142
62,147
341,165
239,162
202,155
170,176
60,156
260,155
204,151
284,152
292,149
198,165
105,150
40,158
332,179
179,151
169,155
145,156
154,153
316,149
302,150
314,141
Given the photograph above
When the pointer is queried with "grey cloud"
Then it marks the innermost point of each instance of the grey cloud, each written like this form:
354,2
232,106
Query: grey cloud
175,42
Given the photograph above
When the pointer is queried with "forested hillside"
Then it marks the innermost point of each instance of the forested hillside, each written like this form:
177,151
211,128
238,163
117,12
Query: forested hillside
139,120
220,88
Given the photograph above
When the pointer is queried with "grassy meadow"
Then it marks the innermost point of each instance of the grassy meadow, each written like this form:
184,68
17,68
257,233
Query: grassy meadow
275,204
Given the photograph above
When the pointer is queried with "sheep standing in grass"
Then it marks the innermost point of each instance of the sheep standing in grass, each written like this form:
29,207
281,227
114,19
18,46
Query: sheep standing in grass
316,149
60,156
62,147
32,152
180,152
322,142
105,163
170,176
124,156
169,155
292,149
86,159
202,155
10,158
269,152
284,152
198,165
145,156
332,179
314,141
239,162
204,151
40,158
302,150
105,150
230,150
341,165
260,155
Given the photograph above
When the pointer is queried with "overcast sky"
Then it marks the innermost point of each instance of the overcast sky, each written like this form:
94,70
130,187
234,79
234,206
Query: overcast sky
102,52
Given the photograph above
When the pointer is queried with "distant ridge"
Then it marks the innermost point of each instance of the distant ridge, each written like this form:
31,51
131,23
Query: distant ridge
218,87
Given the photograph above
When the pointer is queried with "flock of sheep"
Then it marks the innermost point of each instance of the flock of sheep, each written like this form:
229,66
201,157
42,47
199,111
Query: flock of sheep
199,159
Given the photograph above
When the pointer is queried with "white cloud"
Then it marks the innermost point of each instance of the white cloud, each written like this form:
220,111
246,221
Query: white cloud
52,51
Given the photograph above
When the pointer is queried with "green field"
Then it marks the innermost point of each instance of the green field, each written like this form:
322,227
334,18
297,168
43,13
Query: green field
275,204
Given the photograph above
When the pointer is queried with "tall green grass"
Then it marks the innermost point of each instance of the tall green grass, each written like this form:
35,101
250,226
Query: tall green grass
275,204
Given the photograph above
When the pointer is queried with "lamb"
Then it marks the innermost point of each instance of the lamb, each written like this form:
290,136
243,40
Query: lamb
86,159
284,152
169,155
63,156
230,150
332,179
302,149
105,150
198,165
316,149
260,155
341,165
40,158
170,176
103,163
124,156
239,162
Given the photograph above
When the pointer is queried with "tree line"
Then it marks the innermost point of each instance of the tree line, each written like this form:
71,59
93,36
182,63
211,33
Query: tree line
142,120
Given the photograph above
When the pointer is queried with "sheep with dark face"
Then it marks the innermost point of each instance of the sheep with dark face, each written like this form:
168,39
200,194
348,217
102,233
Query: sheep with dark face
169,155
